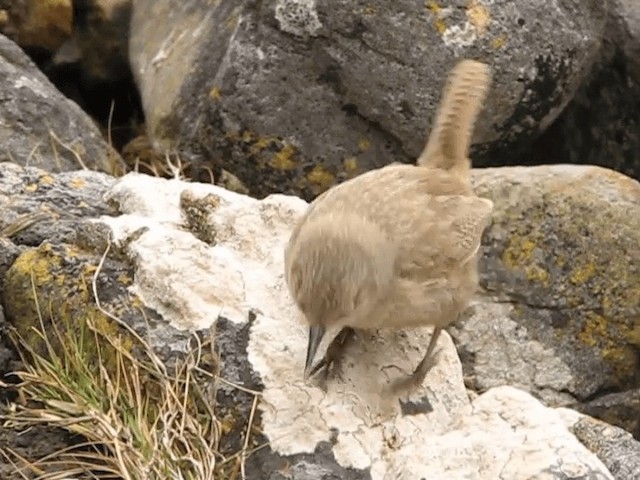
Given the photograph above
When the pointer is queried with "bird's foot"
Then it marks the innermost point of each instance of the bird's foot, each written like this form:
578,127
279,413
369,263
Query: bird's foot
331,363
406,385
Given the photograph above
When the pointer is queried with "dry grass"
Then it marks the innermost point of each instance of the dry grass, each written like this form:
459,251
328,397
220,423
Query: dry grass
138,420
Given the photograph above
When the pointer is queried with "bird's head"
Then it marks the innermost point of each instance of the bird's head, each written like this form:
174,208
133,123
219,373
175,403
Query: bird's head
337,269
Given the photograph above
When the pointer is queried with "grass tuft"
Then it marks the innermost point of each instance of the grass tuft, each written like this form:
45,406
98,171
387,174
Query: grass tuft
136,420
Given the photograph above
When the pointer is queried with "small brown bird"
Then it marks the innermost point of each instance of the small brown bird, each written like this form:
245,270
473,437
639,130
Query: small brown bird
396,247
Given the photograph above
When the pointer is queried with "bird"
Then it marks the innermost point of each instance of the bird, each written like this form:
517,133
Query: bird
397,246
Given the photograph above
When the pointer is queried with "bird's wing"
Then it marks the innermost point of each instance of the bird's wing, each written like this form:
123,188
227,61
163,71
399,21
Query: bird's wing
432,216
446,234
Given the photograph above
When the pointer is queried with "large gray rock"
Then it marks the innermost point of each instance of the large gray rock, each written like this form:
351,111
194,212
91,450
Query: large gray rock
40,127
295,95
601,125
560,316
614,446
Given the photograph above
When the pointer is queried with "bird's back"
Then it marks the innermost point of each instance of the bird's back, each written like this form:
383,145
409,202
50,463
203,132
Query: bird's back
431,216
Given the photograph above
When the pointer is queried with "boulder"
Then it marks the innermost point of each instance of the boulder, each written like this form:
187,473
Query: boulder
41,26
183,258
293,96
560,316
41,127
601,124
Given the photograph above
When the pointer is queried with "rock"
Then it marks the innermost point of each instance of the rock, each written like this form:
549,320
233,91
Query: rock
100,40
560,317
615,447
293,96
350,431
625,31
38,25
40,126
188,257
601,125
618,409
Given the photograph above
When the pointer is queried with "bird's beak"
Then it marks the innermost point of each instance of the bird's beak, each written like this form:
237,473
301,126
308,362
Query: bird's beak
316,333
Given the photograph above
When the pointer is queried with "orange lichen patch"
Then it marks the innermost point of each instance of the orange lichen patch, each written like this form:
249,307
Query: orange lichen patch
498,42
232,21
46,180
47,24
263,143
478,15
582,273
284,159
436,10
364,144
248,136
350,164
320,178
441,27
215,93
433,7
77,182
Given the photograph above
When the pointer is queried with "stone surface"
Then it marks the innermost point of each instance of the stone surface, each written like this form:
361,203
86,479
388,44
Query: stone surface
99,40
614,446
601,125
37,24
353,430
560,316
293,96
619,409
39,126
194,257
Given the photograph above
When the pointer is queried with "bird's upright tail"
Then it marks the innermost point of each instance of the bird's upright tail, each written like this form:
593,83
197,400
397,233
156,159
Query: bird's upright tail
462,99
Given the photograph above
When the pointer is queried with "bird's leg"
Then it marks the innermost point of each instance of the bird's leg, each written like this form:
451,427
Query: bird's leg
335,353
417,377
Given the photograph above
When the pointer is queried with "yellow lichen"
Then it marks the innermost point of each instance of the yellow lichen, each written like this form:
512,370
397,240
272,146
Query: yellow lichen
433,7
248,136
436,10
77,182
31,187
232,21
364,144
634,334
498,42
43,285
283,160
46,179
263,142
582,273
320,177
215,93
350,164
594,330
441,27
519,256
518,252
479,16
536,273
